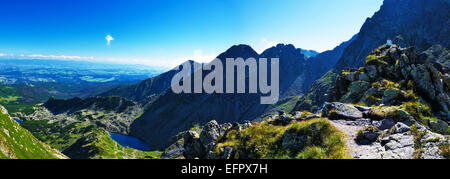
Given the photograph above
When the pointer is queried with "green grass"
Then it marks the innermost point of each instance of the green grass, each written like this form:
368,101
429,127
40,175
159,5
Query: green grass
418,146
16,142
445,149
375,60
26,109
264,141
8,99
79,140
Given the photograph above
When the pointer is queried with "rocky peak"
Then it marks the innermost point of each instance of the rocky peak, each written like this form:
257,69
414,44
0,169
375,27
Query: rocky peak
425,25
236,51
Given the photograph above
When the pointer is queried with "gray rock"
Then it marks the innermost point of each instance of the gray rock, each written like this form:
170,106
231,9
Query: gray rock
224,128
439,126
228,153
431,136
358,122
193,148
400,146
384,141
371,136
430,145
173,154
397,141
312,116
431,151
341,111
363,108
372,71
209,135
384,124
400,127
286,119
401,153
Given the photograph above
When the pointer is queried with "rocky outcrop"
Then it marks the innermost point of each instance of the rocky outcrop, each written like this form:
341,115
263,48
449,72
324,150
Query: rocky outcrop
425,26
405,118
341,111
191,145
394,76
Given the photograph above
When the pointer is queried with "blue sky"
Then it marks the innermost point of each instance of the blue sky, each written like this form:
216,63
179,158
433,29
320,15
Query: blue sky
168,32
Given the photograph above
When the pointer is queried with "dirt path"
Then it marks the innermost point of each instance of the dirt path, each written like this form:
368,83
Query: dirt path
356,151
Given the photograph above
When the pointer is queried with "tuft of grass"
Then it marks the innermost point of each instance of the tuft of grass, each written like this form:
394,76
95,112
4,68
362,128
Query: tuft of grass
375,60
445,149
419,111
418,148
389,84
264,140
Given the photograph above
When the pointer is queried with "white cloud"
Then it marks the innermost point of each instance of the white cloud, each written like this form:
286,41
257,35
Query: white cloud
200,57
109,38
6,55
61,57
166,62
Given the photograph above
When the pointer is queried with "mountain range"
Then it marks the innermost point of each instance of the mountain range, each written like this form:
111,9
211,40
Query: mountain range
383,101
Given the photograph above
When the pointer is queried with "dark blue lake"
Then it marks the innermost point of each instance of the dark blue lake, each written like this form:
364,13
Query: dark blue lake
17,120
129,141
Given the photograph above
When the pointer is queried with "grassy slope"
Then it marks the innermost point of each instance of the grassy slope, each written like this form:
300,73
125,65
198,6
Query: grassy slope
16,142
264,140
80,140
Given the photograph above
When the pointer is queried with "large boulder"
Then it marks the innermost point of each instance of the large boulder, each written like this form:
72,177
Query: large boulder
400,127
367,136
439,126
209,135
384,124
193,148
336,111
400,146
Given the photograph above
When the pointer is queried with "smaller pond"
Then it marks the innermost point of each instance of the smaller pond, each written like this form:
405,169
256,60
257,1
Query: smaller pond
17,120
129,141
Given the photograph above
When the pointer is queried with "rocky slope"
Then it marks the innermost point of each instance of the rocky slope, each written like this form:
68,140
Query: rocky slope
115,114
427,24
409,99
418,23
406,118
18,143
